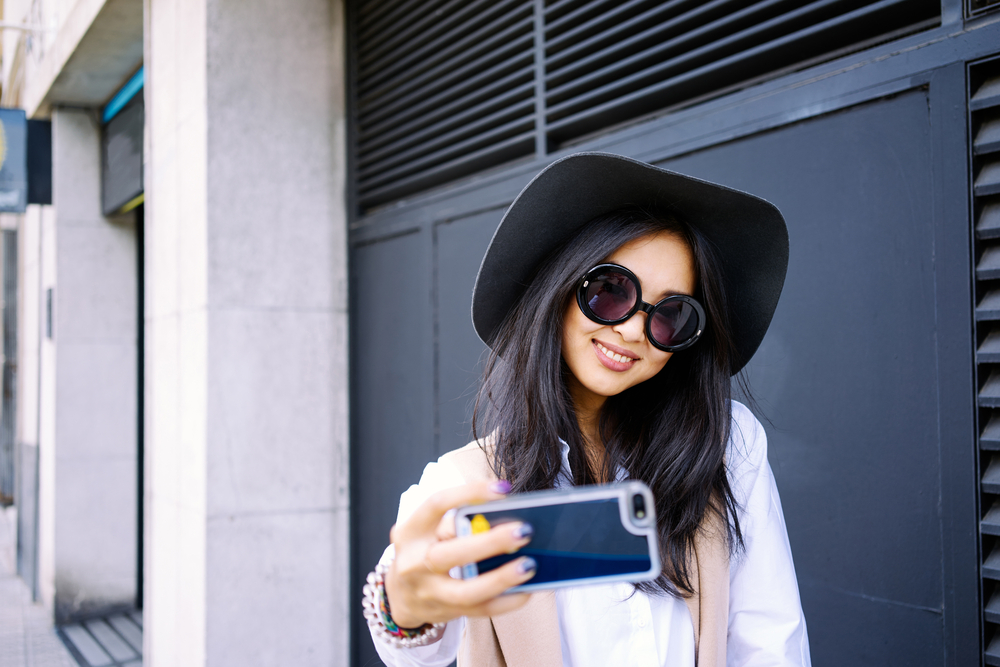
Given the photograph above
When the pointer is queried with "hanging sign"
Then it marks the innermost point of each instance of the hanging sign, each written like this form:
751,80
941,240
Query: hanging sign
121,147
39,162
13,161
121,150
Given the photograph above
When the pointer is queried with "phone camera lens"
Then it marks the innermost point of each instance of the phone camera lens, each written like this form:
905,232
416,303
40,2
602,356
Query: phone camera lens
639,506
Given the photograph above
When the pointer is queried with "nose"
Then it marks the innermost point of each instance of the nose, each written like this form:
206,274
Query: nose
632,330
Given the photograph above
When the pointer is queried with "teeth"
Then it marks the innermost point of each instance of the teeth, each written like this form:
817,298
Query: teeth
614,355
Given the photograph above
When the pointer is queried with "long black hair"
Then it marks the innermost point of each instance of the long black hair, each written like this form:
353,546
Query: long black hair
670,431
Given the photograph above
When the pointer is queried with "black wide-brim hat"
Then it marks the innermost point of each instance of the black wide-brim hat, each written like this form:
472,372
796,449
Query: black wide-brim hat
748,232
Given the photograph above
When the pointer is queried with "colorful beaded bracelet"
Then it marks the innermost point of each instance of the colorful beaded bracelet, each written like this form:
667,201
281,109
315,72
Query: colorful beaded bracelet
379,618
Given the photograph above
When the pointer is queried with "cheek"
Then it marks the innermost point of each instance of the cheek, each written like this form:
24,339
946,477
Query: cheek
659,360
655,361
576,325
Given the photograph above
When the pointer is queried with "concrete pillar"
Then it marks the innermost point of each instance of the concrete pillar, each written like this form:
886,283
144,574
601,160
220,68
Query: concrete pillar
28,393
88,422
246,350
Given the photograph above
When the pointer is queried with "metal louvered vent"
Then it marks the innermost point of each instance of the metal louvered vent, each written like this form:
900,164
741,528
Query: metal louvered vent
617,61
444,88
984,109
979,6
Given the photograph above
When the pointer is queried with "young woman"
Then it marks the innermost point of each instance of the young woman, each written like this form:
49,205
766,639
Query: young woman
618,299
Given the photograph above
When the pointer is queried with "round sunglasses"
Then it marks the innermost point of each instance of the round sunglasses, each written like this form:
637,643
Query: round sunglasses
610,294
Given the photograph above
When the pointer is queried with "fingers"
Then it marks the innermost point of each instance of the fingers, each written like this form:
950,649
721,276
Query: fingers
427,517
502,539
480,596
470,593
426,550
446,526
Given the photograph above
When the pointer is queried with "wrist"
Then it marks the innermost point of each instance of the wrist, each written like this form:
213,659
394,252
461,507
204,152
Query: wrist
381,622
399,613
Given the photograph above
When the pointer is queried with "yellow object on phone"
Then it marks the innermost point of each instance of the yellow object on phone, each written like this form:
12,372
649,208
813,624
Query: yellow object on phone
479,524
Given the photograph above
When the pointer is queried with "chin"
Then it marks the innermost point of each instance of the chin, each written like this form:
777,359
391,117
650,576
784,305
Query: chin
609,389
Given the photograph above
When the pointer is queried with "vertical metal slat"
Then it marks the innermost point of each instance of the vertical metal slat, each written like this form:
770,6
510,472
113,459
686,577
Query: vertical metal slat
984,88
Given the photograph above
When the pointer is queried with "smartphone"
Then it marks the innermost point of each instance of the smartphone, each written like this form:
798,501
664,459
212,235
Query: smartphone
583,535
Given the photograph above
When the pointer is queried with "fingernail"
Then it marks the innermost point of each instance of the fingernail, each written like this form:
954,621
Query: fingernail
527,565
500,486
523,531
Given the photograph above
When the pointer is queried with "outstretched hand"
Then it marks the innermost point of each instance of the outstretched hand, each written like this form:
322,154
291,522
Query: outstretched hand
418,585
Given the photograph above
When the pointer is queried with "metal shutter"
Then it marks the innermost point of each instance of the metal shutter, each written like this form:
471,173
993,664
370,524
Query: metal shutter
636,57
442,89
979,6
984,109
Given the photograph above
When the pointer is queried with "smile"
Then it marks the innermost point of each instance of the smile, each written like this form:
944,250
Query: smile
614,356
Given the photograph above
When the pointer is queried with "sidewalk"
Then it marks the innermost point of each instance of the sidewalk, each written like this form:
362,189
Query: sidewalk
27,637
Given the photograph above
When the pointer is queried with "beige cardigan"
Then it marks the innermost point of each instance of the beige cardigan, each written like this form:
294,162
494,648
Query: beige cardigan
529,637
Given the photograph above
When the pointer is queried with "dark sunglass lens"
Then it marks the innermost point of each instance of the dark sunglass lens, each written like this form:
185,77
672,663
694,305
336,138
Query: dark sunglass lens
673,323
610,295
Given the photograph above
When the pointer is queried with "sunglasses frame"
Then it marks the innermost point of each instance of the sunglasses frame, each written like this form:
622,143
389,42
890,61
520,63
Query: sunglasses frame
639,305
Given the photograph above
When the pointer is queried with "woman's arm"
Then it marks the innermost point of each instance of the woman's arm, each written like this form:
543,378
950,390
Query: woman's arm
425,548
766,624
438,654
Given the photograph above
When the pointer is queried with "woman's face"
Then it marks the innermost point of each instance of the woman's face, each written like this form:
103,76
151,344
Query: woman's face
664,265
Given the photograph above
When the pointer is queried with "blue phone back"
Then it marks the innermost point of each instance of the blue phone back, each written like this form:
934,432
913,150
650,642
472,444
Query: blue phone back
574,541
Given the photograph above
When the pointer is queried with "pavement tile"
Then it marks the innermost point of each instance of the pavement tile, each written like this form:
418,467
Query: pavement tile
27,638
111,641
127,628
87,646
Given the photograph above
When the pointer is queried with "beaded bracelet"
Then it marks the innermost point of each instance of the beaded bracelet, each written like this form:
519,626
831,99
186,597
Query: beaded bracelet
376,611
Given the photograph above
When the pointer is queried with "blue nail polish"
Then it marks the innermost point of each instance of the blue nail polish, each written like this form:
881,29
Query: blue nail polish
523,531
527,565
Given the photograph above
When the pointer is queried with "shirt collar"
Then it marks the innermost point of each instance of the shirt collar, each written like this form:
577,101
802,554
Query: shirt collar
565,477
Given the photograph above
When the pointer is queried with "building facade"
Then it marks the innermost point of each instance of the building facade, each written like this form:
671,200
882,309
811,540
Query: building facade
214,417
182,377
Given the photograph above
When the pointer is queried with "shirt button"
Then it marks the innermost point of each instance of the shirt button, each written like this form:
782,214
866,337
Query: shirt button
642,622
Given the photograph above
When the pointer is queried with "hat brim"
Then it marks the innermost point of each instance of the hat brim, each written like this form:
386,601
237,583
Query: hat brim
748,232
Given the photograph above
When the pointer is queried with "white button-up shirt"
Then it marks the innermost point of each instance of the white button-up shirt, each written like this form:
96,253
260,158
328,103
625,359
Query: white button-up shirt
612,624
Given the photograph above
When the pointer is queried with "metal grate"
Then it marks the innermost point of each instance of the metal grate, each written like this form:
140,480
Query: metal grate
444,88
984,110
111,641
635,57
980,6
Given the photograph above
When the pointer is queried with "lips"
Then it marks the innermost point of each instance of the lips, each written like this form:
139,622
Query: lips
614,358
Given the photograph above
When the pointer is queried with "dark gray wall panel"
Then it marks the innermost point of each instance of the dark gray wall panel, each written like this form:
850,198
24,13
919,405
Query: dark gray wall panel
848,372
851,449
392,398
460,246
